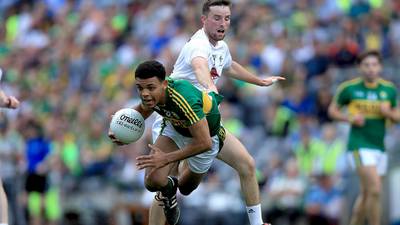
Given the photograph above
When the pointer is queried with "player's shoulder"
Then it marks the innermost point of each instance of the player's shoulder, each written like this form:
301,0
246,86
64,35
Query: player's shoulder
181,85
386,83
350,83
199,38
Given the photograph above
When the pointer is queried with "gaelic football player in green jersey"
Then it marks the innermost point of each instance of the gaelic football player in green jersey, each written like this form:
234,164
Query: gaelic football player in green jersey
191,130
370,102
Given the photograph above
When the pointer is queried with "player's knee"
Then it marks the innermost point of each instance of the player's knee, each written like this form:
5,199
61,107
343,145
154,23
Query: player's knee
248,167
374,192
152,183
150,186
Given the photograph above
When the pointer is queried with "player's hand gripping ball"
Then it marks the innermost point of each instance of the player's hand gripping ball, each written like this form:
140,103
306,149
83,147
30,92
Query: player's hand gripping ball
127,125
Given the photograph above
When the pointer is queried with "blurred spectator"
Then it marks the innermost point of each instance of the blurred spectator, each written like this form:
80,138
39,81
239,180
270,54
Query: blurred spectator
307,152
41,199
274,56
332,159
324,202
323,99
279,121
319,63
285,194
96,151
344,51
299,100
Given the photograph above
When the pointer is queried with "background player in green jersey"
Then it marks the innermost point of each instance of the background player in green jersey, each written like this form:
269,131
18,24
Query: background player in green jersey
370,102
191,130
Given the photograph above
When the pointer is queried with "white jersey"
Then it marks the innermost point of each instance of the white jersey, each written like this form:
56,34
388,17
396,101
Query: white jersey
218,58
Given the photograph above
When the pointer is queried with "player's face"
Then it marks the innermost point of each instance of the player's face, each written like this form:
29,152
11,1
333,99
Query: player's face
216,22
151,91
371,68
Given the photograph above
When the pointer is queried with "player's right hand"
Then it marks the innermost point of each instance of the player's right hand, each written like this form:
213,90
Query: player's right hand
14,103
357,120
114,139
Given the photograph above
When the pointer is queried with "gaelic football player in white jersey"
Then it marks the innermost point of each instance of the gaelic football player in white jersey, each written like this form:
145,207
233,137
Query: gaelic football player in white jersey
12,103
202,61
217,56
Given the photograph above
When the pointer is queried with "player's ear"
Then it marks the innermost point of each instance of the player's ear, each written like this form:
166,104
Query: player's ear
164,84
203,18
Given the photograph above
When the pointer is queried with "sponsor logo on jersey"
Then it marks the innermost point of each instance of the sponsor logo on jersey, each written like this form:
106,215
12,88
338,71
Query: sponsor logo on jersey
214,74
383,95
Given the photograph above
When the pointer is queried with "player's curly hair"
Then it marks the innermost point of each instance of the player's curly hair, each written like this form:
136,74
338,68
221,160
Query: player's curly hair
208,3
149,69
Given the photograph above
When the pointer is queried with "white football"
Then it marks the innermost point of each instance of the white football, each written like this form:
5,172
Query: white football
127,125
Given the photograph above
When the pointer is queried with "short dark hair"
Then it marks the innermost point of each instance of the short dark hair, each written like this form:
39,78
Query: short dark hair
149,69
208,3
366,54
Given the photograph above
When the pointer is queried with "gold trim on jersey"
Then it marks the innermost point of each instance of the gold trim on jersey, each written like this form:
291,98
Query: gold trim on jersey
357,158
221,136
207,102
369,109
386,83
184,106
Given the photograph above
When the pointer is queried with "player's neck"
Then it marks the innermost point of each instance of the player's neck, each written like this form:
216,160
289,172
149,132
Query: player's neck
212,41
371,83
163,99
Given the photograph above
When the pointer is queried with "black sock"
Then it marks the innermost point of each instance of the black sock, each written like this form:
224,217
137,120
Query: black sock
168,190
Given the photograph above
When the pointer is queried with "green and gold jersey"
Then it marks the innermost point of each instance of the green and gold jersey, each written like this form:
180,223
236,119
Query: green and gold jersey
186,105
365,100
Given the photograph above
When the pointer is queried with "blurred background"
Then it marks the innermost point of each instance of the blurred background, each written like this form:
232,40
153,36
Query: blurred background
71,64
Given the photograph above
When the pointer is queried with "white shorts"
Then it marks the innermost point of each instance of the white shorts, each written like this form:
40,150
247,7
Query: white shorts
200,163
369,157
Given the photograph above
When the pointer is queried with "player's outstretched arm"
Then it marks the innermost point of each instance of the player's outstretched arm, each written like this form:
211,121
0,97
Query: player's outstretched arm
237,71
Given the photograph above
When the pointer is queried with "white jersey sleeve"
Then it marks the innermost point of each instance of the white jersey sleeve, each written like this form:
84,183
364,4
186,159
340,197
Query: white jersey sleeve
195,48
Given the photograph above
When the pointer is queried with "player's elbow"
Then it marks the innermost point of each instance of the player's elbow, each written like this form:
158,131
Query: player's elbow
331,112
205,144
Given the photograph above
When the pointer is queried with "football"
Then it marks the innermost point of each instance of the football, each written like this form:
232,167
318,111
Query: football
127,125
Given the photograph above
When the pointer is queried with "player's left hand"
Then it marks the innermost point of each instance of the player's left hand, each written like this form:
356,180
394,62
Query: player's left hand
385,109
270,80
156,159
114,139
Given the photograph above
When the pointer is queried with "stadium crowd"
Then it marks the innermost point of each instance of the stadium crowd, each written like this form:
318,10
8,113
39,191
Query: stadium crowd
71,62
